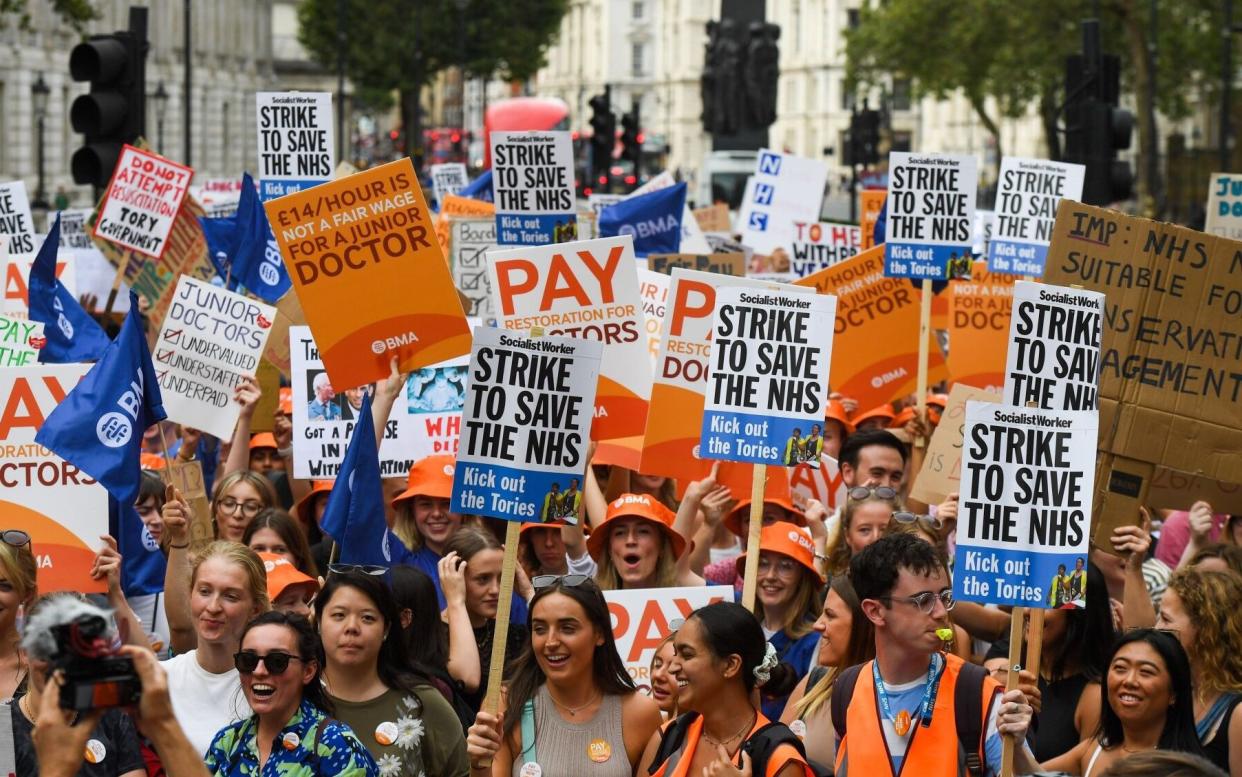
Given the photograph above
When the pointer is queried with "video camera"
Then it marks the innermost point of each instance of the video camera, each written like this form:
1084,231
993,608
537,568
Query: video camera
76,638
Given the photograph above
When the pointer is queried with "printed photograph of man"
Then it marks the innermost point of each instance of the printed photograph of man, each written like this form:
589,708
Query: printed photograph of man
553,503
322,406
352,406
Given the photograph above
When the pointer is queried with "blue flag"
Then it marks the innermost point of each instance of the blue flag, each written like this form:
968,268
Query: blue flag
652,219
354,515
142,563
219,234
253,254
72,335
478,189
98,427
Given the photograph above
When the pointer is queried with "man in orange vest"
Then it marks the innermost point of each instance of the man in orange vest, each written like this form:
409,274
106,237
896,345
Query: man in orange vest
905,708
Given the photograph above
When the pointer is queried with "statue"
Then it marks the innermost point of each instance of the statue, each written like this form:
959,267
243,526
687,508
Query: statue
762,73
729,97
707,82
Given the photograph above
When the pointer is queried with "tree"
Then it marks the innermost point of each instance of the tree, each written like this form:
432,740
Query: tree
400,45
1005,55
75,13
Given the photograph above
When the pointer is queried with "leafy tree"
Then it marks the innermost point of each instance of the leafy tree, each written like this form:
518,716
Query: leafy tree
75,13
400,45
1004,55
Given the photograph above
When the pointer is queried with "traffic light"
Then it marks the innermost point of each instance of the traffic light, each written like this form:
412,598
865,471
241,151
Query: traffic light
603,134
868,134
631,138
114,112
1095,128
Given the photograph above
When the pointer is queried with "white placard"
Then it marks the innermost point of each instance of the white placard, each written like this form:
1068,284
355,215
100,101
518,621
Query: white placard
931,211
1054,347
448,178
533,187
15,219
784,189
297,145
822,244
641,618
1224,206
20,342
471,239
142,200
1026,208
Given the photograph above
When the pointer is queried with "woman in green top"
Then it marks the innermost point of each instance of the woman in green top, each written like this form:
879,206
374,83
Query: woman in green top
408,726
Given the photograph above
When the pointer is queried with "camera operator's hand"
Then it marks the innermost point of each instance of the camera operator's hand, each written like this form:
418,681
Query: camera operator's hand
156,719
60,746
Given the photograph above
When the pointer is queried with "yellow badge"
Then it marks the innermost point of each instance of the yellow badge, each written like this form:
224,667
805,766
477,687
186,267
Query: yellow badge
386,733
599,750
95,751
902,723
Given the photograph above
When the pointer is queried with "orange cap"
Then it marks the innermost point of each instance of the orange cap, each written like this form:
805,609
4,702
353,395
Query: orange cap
303,507
281,574
775,491
942,400
152,461
788,540
429,476
636,506
835,411
263,440
884,411
285,400
907,415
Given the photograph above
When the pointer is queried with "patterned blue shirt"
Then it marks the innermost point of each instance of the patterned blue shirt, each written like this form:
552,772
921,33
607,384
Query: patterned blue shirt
235,753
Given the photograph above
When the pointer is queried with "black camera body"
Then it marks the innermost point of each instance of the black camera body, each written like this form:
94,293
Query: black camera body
93,676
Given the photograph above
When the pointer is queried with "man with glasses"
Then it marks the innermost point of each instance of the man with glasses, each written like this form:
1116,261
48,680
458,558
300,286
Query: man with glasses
915,706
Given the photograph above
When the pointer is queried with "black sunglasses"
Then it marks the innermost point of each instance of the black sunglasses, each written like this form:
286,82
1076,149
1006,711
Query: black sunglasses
276,662
863,492
926,521
366,569
15,537
570,581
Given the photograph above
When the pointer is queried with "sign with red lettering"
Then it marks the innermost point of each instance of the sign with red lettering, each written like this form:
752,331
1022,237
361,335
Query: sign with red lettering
64,510
142,201
587,290
821,244
641,618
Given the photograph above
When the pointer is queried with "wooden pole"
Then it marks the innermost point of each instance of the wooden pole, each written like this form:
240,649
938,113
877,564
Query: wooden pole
1015,666
750,581
1035,641
924,335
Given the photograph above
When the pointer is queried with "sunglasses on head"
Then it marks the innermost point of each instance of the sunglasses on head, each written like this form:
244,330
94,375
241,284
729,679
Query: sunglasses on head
366,569
569,581
15,537
276,662
926,521
858,493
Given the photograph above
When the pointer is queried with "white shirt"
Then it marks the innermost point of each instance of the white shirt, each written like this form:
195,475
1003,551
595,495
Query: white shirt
203,702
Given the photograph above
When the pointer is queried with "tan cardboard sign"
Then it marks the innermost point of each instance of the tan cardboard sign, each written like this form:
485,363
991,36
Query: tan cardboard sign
714,218
722,264
941,474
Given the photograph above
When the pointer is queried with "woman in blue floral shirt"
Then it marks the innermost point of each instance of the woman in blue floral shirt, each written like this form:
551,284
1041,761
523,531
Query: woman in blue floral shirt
290,733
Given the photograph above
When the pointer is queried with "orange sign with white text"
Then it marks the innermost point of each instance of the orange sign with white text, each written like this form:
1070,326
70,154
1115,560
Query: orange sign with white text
979,312
370,274
875,350
872,201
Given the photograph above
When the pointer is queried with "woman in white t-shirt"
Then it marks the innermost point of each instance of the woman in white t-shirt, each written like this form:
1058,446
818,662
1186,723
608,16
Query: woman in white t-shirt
228,587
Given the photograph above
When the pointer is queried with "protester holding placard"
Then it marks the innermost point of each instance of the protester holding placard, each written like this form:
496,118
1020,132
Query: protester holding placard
786,597
424,522
637,547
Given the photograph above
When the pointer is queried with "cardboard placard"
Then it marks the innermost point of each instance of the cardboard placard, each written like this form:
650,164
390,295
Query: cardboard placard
73,228
1025,508
875,354
20,342
16,303
768,375
979,311
533,187
587,289
1026,208
349,245
723,244
819,480
448,178
1054,347
872,203
16,222
724,264
210,340
525,427
453,205
941,473
653,291
931,210
297,141
62,509
1224,206
268,377
818,245
471,239
142,201
288,313
641,618
1170,385
713,218
187,477
785,188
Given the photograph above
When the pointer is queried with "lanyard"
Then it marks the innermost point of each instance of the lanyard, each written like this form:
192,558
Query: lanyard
934,673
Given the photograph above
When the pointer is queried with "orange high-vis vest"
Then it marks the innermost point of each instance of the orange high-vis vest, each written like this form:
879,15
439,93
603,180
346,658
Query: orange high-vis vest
781,757
932,751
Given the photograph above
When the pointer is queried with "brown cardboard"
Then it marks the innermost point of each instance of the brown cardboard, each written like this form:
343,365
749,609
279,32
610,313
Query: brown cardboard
1171,356
187,477
724,264
288,313
941,473
268,377
714,218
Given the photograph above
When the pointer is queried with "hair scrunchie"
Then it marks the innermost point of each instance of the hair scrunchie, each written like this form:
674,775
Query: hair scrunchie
763,672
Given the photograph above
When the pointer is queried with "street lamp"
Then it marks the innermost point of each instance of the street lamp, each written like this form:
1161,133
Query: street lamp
39,93
161,110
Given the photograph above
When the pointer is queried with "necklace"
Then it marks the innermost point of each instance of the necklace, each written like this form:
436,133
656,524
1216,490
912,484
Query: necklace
721,742
573,711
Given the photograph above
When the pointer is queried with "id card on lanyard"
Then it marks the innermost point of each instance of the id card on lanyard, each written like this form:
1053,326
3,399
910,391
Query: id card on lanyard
901,722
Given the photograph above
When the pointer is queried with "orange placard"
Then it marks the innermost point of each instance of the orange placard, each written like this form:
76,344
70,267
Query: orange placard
371,278
979,311
875,351
455,205
871,202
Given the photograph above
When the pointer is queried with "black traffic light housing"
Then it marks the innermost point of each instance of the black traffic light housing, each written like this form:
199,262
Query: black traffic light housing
603,137
114,112
631,139
1095,128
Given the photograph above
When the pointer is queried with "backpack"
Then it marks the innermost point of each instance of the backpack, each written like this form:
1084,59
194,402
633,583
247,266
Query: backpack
967,712
759,746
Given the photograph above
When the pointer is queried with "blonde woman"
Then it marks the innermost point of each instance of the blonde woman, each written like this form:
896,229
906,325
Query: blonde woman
864,519
637,547
18,589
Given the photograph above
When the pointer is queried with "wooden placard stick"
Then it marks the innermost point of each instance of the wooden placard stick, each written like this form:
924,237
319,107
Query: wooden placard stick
924,356
758,481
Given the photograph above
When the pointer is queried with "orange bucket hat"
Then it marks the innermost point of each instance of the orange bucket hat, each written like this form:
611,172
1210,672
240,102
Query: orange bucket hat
835,411
636,506
907,415
788,540
429,476
775,491
302,510
884,411
263,440
281,574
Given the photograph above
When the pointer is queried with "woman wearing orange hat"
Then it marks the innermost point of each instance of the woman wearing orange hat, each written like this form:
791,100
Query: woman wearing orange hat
637,547
275,531
875,418
777,507
288,588
837,427
786,597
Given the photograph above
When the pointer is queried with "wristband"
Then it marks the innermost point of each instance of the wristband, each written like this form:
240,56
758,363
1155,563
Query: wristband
179,547
285,453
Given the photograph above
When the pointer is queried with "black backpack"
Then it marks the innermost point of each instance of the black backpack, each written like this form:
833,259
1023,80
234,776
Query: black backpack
760,746
967,712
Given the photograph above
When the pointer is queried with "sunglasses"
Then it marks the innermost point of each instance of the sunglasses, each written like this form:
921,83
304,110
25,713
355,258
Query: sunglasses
926,521
15,537
366,569
276,662
569,581
858,493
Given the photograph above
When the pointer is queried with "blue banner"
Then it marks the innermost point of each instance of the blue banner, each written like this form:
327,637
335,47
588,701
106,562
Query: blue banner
1022,578
1017,258
653,220
70,333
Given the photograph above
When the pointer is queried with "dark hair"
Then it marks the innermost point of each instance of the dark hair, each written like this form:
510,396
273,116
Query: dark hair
469,540
1088,632
309,649
290,532
394,666
414,590
607,669
853,445
1179,722
1230,554
731,629
1162,763
150,487
874,569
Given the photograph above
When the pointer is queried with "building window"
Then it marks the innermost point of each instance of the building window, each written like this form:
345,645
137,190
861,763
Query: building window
851,18
636,10
636,59
901,94
847,97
